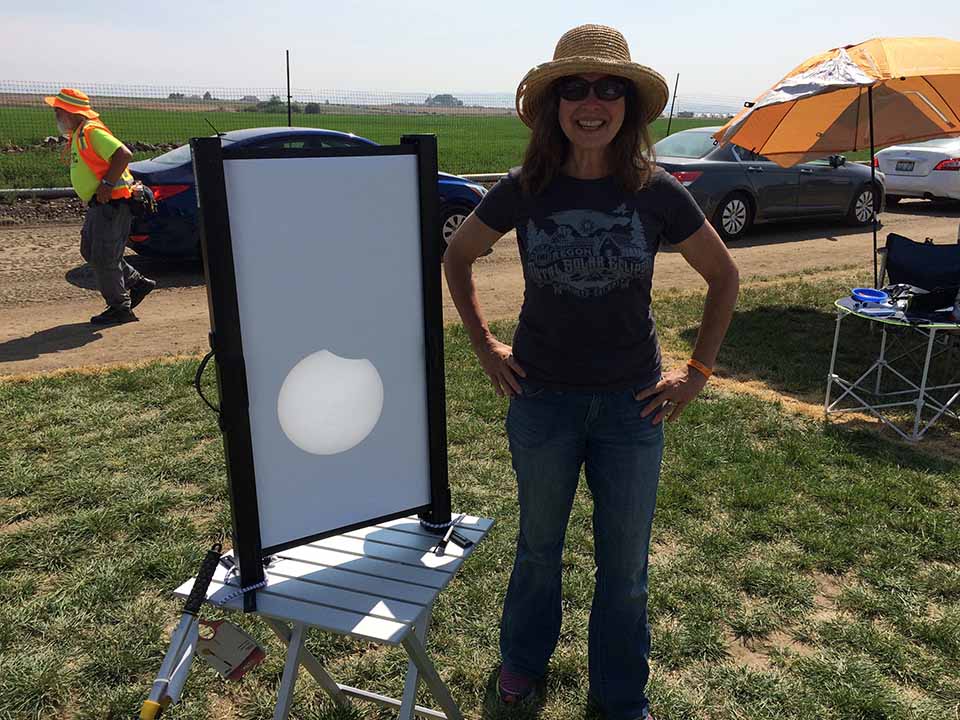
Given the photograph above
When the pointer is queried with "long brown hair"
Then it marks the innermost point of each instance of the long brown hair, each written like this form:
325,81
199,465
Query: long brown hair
630,152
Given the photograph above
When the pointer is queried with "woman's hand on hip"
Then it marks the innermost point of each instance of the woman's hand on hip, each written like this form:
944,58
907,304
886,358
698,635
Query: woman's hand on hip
500,366
672,394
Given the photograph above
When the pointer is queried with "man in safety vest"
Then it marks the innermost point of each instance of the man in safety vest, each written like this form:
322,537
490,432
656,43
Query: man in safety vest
99,174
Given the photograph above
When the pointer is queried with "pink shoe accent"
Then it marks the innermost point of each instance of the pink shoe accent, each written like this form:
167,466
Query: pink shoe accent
514,687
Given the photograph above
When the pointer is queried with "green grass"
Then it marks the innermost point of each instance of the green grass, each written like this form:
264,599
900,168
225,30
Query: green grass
40,169
467,144
831,552
782,334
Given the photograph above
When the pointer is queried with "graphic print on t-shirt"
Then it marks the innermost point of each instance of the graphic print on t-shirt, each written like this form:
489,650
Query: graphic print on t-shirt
588,253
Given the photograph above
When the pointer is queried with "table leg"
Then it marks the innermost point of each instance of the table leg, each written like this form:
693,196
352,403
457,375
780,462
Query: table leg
921,398
833,360
313,666
413,675
290,670
430,676
881,361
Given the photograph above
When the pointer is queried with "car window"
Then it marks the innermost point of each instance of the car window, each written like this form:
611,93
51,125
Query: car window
686,144
181,155
307,142
336,141
749,155
281,143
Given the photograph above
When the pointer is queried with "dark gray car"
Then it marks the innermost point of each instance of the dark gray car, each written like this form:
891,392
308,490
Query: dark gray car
736,188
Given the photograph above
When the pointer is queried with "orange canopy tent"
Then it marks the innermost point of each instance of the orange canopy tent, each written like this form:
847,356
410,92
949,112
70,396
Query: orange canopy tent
877,93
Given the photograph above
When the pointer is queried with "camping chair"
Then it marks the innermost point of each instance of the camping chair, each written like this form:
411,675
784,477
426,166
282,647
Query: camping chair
923,265
912,344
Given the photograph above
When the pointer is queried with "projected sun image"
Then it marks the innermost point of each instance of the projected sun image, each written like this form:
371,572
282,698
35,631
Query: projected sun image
329,404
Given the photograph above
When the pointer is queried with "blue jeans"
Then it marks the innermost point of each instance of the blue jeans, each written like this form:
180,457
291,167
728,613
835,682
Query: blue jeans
552,434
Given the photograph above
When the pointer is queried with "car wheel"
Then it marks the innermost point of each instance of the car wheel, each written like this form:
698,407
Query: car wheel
861,209
451,218
733,217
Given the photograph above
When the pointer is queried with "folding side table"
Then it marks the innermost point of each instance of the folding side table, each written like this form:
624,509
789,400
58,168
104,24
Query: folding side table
377,583
922,347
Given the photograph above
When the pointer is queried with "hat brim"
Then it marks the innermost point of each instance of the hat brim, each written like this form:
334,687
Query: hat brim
54,101
652,90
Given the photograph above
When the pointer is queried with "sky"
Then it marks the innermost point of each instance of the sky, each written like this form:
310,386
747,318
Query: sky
731,53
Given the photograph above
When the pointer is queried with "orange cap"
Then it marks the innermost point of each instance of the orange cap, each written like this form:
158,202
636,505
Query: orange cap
73,101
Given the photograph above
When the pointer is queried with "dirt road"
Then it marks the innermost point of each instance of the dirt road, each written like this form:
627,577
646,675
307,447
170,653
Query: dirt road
47,294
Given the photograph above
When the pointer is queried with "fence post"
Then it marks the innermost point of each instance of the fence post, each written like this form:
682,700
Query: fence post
672,101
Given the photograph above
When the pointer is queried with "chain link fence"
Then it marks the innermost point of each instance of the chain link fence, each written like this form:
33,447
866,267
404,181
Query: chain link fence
477,133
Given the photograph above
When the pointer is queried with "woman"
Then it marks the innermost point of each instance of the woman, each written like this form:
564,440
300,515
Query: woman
583,376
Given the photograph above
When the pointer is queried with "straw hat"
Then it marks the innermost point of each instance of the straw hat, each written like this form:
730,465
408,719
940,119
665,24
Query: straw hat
592,49
73,101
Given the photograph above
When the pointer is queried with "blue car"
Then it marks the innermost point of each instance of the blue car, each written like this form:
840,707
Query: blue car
174,231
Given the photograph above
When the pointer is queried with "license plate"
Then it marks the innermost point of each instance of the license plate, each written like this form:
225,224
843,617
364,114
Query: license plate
904,165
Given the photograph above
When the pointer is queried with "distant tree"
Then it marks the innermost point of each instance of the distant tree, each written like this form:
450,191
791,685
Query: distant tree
207,95
444,100
273,105
312,108
175,96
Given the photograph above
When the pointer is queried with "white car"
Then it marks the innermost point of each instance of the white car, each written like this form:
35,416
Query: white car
929,169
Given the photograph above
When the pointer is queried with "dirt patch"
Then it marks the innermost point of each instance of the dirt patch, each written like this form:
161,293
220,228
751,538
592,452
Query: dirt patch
748,653
47,293
828,590
34,211
757,654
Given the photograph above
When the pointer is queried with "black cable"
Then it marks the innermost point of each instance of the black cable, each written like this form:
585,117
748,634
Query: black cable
196,382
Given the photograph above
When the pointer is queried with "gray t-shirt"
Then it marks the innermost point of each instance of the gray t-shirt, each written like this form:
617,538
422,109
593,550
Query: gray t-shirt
587,249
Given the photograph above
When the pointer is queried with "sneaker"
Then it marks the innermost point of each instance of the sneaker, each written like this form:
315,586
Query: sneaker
114,316
514,688
595,708
139,291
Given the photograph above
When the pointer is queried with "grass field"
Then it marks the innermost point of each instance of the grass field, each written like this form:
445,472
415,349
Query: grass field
467,144
799,570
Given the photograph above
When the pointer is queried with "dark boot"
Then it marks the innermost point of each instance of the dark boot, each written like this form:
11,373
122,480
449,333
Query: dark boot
114,316
139,291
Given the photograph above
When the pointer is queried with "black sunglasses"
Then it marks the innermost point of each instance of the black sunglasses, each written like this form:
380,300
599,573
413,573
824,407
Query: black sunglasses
606,88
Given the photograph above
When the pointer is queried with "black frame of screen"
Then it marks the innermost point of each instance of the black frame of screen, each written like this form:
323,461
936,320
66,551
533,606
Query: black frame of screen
227,343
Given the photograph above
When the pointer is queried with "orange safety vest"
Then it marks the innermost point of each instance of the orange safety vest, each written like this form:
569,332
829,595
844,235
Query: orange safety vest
97,164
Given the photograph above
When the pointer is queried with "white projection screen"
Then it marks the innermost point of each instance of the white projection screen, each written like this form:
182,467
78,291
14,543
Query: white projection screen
324,294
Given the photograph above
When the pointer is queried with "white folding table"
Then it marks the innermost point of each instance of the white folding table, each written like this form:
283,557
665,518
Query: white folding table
377,583
867,392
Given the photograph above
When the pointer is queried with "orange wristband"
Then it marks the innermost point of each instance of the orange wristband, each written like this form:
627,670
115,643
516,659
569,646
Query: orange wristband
700,368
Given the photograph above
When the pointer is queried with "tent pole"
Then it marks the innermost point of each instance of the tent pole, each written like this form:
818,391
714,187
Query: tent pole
873,188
